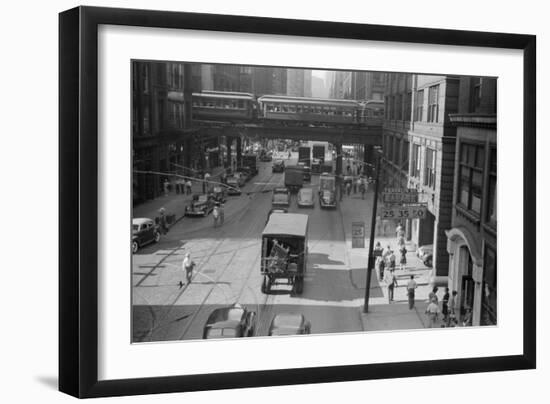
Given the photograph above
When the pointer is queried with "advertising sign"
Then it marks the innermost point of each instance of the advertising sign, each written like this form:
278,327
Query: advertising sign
358,235
403,212
400,195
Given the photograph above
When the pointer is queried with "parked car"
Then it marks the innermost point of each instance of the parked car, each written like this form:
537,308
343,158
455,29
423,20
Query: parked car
281,197
425,253
230,322
289,324
144,231
306,170
201,205
233,187
275,210
278,166
305,198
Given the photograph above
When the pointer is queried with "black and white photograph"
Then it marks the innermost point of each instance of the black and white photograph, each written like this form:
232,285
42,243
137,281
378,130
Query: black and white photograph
273,202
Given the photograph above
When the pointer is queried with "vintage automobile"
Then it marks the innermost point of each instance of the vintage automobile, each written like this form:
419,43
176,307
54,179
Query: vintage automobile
233,187
306,170
284,251
425,253
230,322
219,194
266,155
305,198
281,197
144,231
201,205
327,190
289,324
278,166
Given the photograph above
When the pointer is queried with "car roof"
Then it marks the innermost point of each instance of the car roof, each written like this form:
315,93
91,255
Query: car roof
288,320
225,315
141,220
291,224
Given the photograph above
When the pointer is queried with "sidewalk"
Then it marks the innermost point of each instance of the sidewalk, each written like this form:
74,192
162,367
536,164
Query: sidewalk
383,315
173,203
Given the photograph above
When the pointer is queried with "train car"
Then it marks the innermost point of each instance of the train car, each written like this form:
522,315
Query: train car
370,112
224,105
308,110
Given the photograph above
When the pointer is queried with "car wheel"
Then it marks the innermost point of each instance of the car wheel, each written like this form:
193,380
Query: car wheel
157,237
135,246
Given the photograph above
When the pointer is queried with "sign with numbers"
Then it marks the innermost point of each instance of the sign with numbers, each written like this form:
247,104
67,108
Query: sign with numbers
358,235
403,212
400,195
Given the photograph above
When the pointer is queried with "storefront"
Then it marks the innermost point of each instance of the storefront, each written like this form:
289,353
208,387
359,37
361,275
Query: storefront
466,272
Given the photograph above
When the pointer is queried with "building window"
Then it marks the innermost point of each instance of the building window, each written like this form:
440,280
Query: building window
489,291
408,100
399,107
433,103
390,148
476,94
471,176
405,156
415,172
160,112
418,105
491,197
429,172
396,144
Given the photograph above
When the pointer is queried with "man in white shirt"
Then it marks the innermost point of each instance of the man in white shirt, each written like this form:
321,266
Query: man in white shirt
411,286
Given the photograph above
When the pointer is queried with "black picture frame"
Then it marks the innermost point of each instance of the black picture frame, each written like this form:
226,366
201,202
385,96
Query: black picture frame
78,196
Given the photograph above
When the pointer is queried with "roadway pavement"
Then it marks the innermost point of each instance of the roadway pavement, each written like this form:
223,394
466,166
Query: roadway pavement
228,271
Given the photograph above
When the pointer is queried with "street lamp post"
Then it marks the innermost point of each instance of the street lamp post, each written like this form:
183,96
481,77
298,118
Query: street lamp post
370,263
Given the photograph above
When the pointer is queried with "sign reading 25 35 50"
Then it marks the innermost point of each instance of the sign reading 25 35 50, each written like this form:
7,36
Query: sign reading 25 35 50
403,212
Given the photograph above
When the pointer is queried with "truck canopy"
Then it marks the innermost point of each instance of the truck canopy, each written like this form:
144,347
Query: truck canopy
286,224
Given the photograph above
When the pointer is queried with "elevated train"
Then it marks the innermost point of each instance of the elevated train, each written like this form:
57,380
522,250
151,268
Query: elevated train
245,107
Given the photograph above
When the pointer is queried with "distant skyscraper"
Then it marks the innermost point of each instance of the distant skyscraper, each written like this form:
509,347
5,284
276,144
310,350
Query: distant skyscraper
298,83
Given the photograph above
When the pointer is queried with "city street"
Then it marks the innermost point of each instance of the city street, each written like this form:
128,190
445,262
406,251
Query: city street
228,271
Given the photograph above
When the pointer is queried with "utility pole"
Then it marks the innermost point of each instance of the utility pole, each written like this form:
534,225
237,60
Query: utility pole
370,264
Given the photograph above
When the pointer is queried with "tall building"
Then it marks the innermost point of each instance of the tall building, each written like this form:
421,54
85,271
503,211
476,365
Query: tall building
318,88
471,238
358,85
161,123
419,147
298,83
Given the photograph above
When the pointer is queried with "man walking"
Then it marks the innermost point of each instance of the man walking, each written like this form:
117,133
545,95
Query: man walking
216,215
391,281
411,287
187,266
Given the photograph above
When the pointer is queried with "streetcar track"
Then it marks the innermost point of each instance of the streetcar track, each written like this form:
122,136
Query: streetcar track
202,264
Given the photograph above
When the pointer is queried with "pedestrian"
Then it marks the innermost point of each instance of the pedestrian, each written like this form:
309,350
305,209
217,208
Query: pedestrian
206,183
433,295
399,232
391,281
391,260
453,309
356,184
445,306
411,287
386,253
222,214
363,188
216,215
189,186
432,311
381,266
162,222
403,259
348,169
348,188
166,187
378,250
467,320
187,266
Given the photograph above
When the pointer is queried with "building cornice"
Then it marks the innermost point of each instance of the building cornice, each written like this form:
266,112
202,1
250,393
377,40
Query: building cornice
474,120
